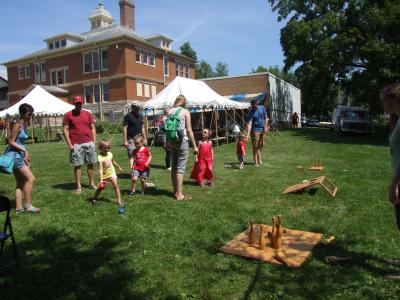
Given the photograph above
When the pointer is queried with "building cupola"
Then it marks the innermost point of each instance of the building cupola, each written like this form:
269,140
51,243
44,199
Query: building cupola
100,17
127,13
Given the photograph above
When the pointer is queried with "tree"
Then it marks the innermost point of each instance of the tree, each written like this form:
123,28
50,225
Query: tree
204,70
221,69
348,44
187,50
287,76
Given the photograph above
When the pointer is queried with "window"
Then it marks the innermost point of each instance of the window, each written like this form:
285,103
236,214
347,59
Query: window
176,68
106,92
145,57
95,61
146,90
186,71
96,92
166,66
153,90
51,46
24,72
104,59
59,76
87,62
139,89
57,44
88,90
40,72
63,43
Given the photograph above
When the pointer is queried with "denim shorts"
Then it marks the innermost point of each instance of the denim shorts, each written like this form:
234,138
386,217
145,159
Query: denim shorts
19,162
83,153
142,174
240,158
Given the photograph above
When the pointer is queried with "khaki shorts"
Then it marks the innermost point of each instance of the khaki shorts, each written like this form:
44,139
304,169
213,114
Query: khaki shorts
83,153
179,156
257,138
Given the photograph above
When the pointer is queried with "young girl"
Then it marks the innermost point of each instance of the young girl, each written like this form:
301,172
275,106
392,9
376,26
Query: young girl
241,149
107,173
202,168
141,164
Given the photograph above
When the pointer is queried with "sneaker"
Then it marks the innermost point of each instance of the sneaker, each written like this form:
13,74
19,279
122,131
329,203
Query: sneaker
94,201
131,194
169,169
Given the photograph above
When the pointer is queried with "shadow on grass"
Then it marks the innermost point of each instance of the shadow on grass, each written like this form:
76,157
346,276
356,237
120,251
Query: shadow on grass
58,266
325,135
69,186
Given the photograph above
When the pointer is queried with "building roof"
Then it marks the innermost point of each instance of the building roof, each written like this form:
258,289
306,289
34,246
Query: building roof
97,35
67,35
4,75
48,88
157,37
101,12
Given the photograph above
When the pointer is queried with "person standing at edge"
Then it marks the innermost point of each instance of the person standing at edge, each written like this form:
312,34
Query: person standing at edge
257,125
390,98
133,125
180,149
80,135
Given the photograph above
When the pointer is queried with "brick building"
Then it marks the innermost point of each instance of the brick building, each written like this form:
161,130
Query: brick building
3,90
109,64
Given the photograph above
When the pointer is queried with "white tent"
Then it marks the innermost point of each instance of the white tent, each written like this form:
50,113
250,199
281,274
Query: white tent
197,93
42,102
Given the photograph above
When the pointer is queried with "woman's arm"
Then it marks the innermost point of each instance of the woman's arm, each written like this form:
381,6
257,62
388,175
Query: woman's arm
189,130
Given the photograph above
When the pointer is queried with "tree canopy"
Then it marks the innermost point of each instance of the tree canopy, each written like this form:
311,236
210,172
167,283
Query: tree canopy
187,50
353,45
205,70
287,76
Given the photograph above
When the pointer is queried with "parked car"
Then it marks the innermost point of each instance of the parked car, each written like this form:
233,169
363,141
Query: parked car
352,119
303,121
312,122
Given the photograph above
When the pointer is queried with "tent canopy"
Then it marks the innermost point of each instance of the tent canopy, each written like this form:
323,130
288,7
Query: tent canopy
42,102
197,93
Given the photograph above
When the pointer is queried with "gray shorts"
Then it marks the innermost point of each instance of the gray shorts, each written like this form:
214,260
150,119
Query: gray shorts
83,153
179,156
131,147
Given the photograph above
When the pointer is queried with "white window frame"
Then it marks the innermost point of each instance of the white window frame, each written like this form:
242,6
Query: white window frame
139,89
144,57
166,65
146,88
65,75
153,90
40,72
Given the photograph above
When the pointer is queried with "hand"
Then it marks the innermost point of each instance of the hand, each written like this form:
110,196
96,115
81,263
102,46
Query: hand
120,169
195,150
146,165
393,194
145,142
126,144
27,157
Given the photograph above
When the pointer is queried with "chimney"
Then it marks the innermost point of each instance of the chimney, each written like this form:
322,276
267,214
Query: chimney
127,13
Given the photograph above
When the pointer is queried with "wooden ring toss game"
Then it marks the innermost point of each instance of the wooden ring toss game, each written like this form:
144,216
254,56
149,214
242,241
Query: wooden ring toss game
322,180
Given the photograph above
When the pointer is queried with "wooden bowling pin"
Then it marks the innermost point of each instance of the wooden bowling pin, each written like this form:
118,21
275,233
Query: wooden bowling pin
252,235
273,234
279,234
261,240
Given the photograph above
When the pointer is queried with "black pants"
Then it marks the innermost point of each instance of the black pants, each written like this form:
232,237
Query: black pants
397,210
167,158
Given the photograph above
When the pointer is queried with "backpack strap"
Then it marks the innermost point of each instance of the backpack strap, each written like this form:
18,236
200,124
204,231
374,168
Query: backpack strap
178,111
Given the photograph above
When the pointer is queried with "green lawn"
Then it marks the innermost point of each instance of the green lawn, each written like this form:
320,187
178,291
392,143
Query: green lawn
166,249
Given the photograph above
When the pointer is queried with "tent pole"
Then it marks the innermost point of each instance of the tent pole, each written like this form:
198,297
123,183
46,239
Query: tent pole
226,127
216,128
202,119
146,124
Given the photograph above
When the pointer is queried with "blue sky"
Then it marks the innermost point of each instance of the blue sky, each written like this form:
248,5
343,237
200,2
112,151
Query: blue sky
244,34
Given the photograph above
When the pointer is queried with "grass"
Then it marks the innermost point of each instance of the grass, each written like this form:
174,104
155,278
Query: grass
163,249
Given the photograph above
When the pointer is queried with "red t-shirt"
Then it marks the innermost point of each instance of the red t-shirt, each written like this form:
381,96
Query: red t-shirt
79,126
141,157
241,148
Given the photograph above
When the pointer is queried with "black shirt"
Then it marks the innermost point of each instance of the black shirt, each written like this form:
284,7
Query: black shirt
134,123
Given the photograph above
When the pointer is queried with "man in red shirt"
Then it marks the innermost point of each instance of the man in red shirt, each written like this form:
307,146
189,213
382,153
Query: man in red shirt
80,135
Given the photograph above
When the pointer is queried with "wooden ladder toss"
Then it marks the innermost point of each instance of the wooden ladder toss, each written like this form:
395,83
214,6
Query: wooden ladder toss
322,180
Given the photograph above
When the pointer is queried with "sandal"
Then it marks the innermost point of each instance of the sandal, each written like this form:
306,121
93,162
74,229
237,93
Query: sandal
185,197
32,210
19,211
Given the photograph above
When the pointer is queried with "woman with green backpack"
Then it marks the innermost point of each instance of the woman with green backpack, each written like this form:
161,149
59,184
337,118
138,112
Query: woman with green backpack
178,131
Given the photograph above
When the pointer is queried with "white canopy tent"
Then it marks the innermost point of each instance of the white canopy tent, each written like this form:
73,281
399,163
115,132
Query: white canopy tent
42,102
197,93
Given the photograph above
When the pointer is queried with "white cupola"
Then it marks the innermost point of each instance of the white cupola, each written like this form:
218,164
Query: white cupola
100,17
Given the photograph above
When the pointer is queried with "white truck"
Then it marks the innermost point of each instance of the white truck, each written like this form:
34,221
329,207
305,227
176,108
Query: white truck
351,119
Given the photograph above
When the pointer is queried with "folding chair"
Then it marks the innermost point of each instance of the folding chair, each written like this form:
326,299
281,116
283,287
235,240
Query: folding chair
5,206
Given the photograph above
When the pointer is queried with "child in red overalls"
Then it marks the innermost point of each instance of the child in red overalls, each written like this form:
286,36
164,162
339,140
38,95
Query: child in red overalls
202,168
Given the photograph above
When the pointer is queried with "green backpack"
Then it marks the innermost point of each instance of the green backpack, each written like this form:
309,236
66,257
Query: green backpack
171,124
